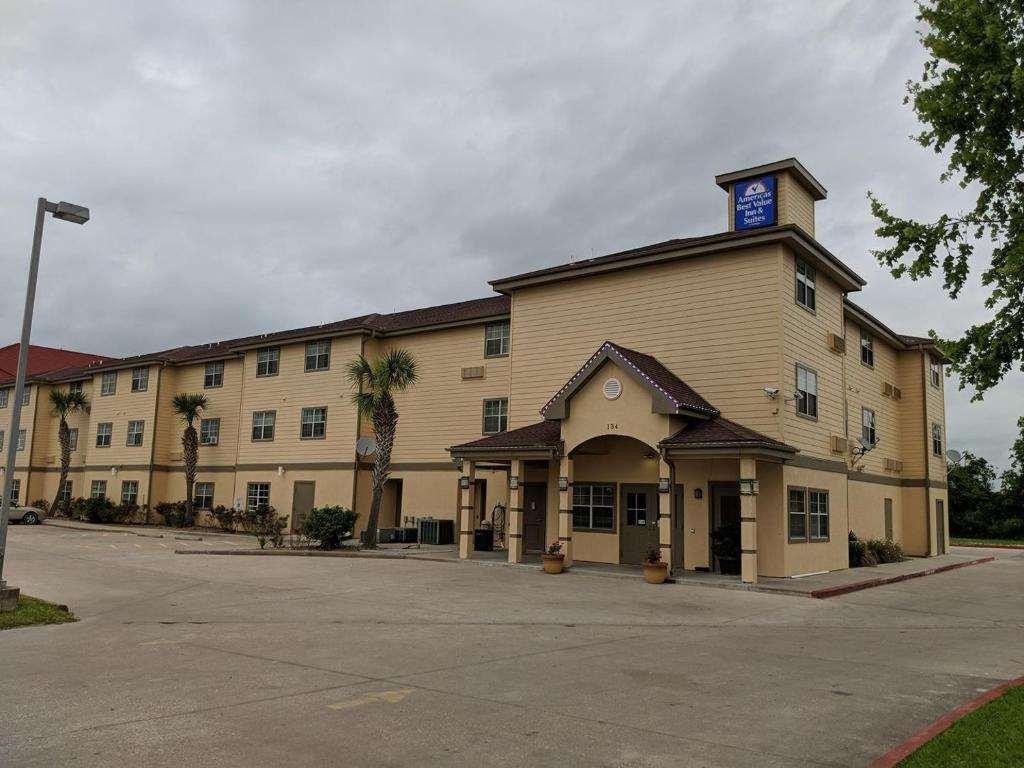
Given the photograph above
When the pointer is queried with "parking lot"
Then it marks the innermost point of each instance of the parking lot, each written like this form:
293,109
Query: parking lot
252,661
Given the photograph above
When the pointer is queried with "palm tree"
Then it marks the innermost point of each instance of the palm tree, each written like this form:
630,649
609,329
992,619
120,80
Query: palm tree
376,383
64,403
188,407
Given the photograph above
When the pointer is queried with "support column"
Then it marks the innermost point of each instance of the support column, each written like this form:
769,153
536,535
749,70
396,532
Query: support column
467,491
665,513
748,521
565,508
514,523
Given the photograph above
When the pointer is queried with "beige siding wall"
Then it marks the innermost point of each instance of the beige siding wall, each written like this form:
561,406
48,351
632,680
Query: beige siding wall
815,556
796,206
936,405
867,509
120,408
864,390
912,434
713,321
805,341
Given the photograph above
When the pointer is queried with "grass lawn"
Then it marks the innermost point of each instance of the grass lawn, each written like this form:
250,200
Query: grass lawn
31,611
990,737
986,542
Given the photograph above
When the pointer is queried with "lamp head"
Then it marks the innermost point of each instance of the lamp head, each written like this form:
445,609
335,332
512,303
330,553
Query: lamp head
77,214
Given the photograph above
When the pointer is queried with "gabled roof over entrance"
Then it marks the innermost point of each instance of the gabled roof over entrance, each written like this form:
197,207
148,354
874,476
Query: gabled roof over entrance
544,436
720,432
670,394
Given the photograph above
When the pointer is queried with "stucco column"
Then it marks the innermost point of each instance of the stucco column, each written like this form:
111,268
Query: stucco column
748,523
467,491
665,513
565,509
514,522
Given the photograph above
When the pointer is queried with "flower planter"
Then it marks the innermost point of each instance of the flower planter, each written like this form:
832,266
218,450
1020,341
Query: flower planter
553,563
655,573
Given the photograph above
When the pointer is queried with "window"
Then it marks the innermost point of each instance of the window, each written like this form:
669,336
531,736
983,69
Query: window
15,491
140,379
806,392
73,438
267,361
867,349
1,439
263,425
108,383
214,376
318,355
936,375
313,423
104,432
26,395
130,492
203,495
808,514
135,430
99,489
209,431
5,395
21,439
75,388
495,416
593,507
804,285
65,492
257,495
867,426
496,339
936,439
636,508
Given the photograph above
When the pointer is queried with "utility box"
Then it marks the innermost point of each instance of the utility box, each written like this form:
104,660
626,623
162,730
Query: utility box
434,531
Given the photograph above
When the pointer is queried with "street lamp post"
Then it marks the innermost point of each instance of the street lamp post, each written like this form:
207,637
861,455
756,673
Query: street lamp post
67,212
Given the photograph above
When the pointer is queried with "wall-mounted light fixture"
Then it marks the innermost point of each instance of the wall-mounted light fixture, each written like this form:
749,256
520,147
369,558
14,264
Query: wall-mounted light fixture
457,461
513,482
664,484
749,487
280,471
464,482
698,493
113,471
563,483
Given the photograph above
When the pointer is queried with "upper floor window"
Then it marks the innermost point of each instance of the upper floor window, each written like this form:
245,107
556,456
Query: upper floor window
98,489
318,355
263,425
313,423
26,395
135,430
108,383
209,431
806,392
867,426
804,284
496,339
267,361
21,439
214,375
104,433
936,439
495,416
867,349
1,439
5,396
936,375
140,379
73,438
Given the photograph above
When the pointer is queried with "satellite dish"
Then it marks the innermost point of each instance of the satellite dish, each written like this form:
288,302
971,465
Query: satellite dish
365,446
953,456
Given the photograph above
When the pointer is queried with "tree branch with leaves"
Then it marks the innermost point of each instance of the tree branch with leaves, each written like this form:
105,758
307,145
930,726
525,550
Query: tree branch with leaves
63,403
189,407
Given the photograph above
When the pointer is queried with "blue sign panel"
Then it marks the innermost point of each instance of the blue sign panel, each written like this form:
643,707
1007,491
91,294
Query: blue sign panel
754,203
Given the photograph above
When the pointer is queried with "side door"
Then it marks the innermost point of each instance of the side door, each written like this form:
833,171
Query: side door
638,529
535,511
302,501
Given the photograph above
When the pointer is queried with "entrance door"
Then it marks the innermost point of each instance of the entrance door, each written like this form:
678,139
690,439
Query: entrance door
302,502
940,527
638,531
677,527
725,528
535,514
391,504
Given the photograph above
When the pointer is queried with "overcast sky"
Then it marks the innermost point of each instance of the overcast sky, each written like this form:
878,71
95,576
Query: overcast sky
257,166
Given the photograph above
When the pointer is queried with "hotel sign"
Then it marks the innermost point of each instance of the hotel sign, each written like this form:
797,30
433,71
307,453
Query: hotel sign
754,203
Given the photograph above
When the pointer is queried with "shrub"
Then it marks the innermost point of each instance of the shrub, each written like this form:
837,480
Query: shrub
885,550
265,524
868,558
653,556
176,514
225,517
42,504
329,525
94,510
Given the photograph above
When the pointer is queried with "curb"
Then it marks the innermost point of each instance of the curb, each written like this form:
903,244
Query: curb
991,546
146,531
901,751
822,594
290,553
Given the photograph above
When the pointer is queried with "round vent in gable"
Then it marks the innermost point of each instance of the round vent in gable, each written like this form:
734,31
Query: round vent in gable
612,388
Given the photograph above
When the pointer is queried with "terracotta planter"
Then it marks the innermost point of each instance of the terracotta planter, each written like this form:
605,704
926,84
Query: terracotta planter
655,573
553,563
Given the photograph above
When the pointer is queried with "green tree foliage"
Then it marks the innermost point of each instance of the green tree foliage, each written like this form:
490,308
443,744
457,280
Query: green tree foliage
971,102
329,525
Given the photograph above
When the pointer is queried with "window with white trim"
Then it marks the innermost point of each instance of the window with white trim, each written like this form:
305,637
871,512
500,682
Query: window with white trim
15,491
497,337
868,432
76,388
318,355
257,495
806,391
73,438
5,396
268,360
203,495
936,439
26,396
65,492
1,439
935,370
213,376
805,284
108,383
263,425
98,490
209,431
104,434
867,349
140,379
808,514
313,423
495,416
130,492
21,439
593,507
135,431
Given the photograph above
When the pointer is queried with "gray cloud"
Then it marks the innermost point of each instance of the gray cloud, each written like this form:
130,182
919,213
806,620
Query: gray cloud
253,166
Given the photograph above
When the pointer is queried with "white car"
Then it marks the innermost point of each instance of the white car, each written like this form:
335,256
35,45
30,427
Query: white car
27,515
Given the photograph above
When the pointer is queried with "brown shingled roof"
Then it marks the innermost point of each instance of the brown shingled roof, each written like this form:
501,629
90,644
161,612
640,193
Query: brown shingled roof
720,432
545,434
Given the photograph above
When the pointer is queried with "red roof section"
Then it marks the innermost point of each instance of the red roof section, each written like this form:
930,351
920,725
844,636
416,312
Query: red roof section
44,360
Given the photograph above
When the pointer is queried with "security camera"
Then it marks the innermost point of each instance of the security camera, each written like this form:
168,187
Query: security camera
772,392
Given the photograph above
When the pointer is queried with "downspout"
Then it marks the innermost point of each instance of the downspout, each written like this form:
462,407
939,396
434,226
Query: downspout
927,459
238,432
846,422
153,434
359,428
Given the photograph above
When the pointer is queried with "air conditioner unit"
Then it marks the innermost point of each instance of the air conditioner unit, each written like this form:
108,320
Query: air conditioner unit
897,393
893,465
887,389
476,372
836,343
840,444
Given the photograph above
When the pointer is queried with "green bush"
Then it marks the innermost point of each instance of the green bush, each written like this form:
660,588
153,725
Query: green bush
858,551
225,517
329,525
42,504
176,514
264,523
885,550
